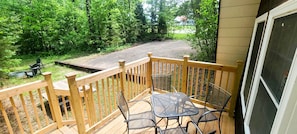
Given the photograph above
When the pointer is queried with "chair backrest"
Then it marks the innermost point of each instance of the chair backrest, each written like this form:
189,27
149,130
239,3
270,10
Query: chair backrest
162,82
123,105
217,96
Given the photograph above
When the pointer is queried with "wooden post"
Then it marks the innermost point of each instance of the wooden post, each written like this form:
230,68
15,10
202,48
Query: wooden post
52,99
185,74
76,103
123,75
236,87
149,71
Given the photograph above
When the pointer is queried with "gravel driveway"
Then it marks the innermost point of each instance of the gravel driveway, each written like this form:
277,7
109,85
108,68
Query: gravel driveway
169,48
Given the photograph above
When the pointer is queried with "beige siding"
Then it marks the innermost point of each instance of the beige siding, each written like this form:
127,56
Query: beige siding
237,19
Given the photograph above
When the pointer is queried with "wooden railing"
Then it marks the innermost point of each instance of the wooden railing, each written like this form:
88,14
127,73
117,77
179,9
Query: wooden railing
193,77
97,104
91,101
24,111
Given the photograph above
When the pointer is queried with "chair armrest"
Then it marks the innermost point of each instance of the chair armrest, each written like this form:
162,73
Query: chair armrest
209,112
194,96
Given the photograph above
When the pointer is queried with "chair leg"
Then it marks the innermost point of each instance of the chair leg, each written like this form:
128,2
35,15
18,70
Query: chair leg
166,123
220,125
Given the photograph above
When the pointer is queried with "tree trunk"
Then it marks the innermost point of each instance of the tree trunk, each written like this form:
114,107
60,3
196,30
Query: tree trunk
195,4
90,21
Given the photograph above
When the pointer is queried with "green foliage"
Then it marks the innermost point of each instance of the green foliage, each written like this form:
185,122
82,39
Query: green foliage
205,37
57,27
184,9
141,22
9,35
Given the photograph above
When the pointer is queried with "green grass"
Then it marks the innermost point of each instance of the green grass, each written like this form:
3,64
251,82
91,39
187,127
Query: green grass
179,36
58,72
181,27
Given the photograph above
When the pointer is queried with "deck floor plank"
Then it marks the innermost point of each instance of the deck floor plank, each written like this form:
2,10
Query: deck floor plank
118,126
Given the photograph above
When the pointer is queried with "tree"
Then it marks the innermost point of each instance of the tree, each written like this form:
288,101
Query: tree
185,9
162,26
9,35
141,21
206,31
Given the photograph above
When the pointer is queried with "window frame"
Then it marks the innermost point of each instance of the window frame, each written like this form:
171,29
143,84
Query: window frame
285,9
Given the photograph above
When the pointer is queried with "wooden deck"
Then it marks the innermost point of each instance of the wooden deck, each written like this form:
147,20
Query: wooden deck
118,126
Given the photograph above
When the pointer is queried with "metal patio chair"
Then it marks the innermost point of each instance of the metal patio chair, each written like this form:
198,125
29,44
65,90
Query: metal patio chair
163,82
180,130
218,98
141,120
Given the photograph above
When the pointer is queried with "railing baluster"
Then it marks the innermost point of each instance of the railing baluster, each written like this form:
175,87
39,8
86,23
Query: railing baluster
197,81
113,91
129,84
26,113
4,114
34,109
118,83
185,74
174,76
42,106
90,101
135,81
104,98
202,82
99,100
17,116
65,107
108,93
228,78
71,107
221,78
192,69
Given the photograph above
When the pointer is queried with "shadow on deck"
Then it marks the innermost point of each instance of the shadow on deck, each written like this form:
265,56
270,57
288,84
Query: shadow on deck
117,124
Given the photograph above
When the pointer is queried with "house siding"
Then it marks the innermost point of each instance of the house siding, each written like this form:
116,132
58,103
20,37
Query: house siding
235,29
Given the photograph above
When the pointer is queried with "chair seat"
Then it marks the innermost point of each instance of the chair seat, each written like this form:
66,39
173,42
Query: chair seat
142,120
208,117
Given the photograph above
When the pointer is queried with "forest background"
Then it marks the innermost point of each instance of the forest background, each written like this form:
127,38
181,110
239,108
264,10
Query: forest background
41,28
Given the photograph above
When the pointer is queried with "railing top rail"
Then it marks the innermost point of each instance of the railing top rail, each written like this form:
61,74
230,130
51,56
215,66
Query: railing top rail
97,76
168,60
137,62
214,66
13,91
84,80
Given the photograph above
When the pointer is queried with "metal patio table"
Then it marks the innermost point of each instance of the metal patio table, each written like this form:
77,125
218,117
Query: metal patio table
175,104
